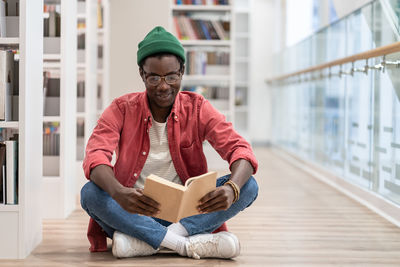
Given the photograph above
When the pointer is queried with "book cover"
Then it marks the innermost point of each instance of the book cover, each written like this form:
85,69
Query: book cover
6,84
179,201
11,172
12,7
204,29
2,170
3,25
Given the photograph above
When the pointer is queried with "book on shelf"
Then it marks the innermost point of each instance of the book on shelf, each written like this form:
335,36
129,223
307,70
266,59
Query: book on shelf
179,201
3,25
51,139
81,41
100,13
209,92
15,94
12,7
51,95
52,23
2,171
190,27
207,61
202,2
9,171
6,84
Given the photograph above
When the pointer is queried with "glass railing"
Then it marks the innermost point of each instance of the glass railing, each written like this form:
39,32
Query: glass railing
347,121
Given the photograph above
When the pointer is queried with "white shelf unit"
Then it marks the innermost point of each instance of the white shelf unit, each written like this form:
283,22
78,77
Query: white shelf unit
58,199
206,42
214,12
9,124
221,84
241,11
9,41
103,34
21,224
81,77
202,7
87,51
93,71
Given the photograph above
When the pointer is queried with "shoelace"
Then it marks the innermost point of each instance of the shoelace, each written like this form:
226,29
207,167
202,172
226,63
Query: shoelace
202,247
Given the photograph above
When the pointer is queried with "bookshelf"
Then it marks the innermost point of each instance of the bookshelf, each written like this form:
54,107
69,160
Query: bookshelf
59,126
81,80
205,32
242,40
103,56
9,41
93,79
21,224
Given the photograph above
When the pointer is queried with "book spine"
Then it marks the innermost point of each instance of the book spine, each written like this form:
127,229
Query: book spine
199,30
177,30
52,22
2,170
11,172
12,8
188,27
3,24
211,30
220,31
182,28
204,29
6,84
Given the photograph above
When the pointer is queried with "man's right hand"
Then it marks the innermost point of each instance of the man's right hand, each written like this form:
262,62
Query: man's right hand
133,201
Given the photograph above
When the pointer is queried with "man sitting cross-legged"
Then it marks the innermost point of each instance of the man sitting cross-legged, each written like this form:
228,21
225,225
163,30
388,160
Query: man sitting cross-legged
161,131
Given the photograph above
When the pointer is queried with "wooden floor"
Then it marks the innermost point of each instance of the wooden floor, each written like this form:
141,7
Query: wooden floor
296,221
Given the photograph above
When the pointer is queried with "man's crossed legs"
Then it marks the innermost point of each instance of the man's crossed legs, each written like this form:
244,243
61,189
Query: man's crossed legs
137,235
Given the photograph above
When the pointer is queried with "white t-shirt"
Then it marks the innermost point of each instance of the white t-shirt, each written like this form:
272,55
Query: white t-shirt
159,161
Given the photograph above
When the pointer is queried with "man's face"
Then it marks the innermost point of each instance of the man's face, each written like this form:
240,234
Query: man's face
161,95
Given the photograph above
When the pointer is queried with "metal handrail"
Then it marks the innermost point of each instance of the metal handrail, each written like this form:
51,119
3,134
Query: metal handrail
377,52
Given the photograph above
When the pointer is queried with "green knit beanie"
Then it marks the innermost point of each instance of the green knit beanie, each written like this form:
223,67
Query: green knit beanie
159,40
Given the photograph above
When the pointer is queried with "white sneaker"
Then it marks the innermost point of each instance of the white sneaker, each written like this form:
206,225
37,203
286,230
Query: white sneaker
124,246
220,245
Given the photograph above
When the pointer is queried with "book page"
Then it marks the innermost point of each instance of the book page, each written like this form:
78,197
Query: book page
197,187
167,193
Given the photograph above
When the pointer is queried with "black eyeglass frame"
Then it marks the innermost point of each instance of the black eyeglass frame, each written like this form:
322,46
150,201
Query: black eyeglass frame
165,77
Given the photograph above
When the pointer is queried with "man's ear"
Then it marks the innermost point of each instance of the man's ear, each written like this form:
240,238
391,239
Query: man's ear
142,74
183,70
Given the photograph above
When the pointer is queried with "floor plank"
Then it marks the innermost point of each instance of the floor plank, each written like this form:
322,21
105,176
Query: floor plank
296,221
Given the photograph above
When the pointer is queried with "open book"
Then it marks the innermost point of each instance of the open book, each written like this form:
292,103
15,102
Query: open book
179,201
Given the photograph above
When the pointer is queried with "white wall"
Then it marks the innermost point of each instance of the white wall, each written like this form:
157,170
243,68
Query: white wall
266,39
130,21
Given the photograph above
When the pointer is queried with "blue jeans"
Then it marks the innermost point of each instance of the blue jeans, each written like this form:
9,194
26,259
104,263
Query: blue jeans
111,216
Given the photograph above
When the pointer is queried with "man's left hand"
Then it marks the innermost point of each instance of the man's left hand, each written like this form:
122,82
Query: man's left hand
219,199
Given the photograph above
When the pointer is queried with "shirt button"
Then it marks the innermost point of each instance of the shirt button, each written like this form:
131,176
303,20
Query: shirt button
147,130
145,119
135,174
176,117
144,153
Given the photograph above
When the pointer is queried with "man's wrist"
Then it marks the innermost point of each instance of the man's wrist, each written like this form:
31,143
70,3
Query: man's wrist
235,188
231,190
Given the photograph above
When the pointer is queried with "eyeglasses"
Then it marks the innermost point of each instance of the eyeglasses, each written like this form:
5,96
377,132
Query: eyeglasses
155,80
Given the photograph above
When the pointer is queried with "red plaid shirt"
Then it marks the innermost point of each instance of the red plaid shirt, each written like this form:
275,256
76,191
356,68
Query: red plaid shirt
124,125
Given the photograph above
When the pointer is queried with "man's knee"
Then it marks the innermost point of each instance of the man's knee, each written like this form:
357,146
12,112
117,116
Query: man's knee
88,192
250,190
